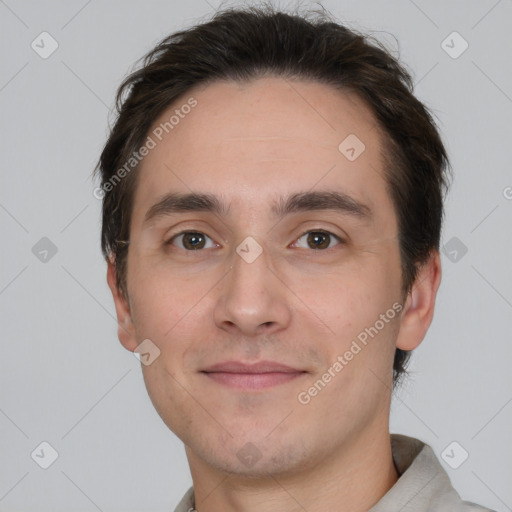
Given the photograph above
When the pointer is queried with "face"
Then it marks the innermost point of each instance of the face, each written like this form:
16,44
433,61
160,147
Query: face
298,266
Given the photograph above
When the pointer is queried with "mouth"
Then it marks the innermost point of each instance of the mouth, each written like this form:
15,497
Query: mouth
252,377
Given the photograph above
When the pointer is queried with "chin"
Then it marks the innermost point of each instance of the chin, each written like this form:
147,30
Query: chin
254,459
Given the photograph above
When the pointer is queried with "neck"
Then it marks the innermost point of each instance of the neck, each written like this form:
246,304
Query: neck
352,479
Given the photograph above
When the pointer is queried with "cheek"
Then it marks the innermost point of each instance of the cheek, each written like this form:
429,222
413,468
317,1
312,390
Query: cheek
356,308
160,300
353,296
151,307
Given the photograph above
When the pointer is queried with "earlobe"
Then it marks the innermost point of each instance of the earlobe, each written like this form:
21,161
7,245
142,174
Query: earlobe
419,305
125,327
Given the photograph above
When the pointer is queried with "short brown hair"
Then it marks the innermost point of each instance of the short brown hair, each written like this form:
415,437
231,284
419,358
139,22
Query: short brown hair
247,43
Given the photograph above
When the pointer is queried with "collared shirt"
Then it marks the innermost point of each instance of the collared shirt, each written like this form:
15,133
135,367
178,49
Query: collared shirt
423,485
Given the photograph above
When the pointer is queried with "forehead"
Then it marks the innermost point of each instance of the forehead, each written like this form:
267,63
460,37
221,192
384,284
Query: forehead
265,138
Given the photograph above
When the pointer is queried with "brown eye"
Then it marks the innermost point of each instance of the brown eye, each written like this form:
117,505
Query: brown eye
318,240
191,241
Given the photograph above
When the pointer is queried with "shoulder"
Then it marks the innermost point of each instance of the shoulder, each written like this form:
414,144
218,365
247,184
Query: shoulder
187,503
423,485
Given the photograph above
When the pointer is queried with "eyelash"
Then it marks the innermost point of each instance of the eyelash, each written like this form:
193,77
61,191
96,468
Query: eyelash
322,231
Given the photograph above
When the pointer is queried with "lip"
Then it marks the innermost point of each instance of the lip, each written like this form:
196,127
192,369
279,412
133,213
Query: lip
260,367
256,376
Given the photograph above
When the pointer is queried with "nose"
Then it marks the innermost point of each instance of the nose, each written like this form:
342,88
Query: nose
253,300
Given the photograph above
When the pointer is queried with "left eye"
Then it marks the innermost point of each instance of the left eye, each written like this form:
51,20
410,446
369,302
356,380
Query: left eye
318,240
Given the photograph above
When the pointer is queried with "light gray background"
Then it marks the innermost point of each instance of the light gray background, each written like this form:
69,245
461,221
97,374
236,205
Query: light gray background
65,378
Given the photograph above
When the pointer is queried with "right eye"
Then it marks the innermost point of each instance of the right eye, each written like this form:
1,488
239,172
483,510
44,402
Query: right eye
191,241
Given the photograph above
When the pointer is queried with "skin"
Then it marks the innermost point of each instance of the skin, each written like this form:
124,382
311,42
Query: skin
295,304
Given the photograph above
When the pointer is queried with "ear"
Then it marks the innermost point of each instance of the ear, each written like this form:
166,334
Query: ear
125,328
419,305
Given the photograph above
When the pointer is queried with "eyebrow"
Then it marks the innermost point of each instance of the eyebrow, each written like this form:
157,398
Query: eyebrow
294,203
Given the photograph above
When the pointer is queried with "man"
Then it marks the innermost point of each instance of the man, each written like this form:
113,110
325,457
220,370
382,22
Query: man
272,206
